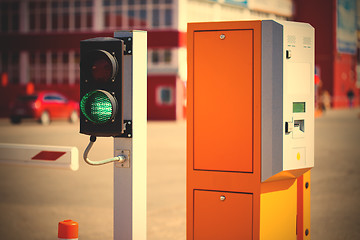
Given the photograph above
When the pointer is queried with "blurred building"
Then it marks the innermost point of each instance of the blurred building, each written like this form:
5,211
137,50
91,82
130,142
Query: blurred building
40,41
337,34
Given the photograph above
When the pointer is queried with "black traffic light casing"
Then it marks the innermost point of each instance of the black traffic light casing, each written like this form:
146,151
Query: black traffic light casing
101,78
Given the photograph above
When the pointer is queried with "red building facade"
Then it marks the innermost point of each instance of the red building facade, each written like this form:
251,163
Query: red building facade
336,46
40,41
40,44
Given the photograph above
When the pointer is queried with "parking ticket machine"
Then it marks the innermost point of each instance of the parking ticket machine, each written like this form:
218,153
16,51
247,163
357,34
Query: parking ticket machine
250,130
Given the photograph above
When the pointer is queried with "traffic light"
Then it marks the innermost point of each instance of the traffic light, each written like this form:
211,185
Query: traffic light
101,87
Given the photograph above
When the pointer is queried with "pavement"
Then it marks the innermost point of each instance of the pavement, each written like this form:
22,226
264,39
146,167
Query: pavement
33,200
335,196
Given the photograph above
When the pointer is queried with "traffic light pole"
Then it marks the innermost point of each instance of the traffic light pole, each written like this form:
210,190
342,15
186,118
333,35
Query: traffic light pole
130,176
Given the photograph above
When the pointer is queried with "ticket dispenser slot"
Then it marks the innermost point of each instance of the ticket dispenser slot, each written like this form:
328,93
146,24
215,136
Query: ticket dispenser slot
299,128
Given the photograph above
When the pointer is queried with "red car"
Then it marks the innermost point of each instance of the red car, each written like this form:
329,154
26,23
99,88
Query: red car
44,106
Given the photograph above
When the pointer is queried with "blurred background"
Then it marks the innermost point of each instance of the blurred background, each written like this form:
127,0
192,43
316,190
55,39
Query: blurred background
40,55
40,47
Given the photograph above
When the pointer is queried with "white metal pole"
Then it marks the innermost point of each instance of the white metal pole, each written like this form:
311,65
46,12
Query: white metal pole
130,180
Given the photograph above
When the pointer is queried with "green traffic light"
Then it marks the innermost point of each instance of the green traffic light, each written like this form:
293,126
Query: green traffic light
98,106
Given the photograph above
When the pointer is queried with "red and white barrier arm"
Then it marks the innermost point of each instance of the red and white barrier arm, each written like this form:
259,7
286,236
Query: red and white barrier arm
40,155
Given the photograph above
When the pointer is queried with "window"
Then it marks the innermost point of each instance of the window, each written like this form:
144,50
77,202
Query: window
65,58
51,67
162,13
55,16
82,14
60,15
167,56
168,17
161,57
143,18
131,17
114,12
156,18
9,63
107,19
165,95
118,18
9,16
155,57
38,15
54,98
65,15
130,14
40,59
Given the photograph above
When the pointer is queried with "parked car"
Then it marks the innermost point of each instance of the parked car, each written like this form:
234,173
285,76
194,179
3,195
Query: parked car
44,106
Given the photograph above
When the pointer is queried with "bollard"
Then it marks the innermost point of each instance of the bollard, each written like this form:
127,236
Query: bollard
68,230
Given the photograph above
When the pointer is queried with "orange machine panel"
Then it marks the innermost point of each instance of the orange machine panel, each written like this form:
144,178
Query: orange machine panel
223,130
222,215
223,100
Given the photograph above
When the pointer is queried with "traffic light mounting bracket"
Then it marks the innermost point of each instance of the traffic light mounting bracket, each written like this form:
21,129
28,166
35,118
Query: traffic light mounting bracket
127,129
127,45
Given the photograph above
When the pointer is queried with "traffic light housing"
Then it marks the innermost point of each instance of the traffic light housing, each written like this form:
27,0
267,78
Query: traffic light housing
101,87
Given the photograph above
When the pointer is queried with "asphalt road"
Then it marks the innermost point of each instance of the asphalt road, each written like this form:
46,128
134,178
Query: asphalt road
33,200
335,196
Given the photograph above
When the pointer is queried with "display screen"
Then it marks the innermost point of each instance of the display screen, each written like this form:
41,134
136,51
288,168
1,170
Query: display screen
298,107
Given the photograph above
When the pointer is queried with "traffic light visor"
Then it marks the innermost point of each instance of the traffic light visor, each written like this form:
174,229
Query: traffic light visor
98,106
101,66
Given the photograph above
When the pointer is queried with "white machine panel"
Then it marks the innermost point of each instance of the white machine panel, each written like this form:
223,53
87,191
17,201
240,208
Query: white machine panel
298,99
287,98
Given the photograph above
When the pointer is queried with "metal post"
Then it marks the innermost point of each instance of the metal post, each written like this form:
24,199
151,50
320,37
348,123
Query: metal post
130,179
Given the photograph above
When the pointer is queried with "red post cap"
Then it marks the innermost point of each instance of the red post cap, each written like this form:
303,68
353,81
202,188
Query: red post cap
68,229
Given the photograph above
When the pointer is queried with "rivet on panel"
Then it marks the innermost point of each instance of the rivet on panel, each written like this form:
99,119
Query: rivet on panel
222,197
222,36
